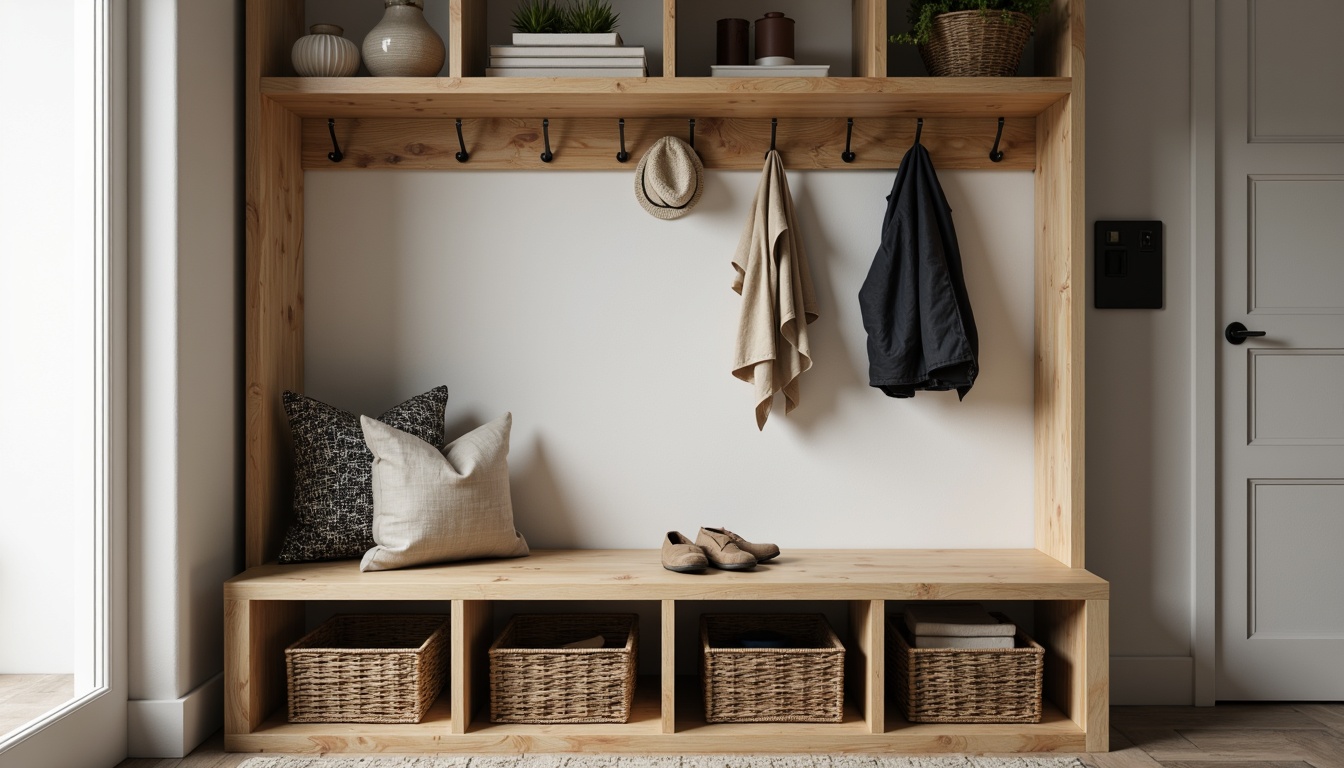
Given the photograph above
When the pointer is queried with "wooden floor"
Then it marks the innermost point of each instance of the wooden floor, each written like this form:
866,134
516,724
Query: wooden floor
25,697
1225,736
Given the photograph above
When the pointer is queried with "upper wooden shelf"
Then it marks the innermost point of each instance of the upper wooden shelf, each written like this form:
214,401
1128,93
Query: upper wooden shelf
666,97
636,574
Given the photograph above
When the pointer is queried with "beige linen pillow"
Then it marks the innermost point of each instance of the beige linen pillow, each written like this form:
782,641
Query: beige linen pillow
433,505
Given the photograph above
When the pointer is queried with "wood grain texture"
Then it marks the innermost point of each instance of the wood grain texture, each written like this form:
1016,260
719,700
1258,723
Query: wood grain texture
669,38
719,738
1058,419
1097,686
869,46
467,49
276,734
909,574
469,674
592,144
1061,249
1060,39
1077,663
274,273
865,661
1229,715
255,636
1122,754
270,29
1318,747
1329,715
679,97
668,666
274,323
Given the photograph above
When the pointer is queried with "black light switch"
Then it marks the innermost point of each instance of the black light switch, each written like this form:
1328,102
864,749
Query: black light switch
1127,265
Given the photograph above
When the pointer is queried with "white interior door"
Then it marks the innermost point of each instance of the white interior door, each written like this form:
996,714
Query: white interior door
1281,396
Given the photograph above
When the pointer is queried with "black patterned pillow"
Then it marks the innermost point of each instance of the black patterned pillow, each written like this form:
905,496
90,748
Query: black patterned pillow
333,491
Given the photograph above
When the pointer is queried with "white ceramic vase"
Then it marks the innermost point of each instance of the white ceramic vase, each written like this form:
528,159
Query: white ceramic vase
324,53
403,44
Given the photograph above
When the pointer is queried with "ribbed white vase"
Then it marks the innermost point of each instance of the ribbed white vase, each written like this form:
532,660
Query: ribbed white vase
324,53
403,44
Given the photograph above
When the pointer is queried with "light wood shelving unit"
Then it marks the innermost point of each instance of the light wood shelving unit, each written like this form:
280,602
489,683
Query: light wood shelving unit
409,123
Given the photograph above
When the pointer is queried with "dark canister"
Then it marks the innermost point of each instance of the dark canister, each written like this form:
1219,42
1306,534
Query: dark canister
732,40
774,39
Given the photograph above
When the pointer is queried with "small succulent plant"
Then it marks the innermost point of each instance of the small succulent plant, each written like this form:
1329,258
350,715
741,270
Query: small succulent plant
590,16
583,16
537,16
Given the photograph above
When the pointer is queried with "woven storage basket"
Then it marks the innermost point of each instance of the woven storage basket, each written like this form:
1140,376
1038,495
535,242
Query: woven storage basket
534,680
802,684
976,44
368,669
964,685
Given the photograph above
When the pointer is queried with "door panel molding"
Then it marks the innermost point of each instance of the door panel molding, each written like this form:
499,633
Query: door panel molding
1319,208
1257,130
1287,584
1318,411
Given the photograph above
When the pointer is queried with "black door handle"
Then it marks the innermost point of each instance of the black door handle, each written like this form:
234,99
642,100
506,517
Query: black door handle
1236,333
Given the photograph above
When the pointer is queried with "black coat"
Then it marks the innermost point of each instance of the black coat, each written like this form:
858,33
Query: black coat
921,333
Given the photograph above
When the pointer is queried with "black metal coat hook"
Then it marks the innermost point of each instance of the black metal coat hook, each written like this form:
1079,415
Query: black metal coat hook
774,124
546,156
692,133
919,128
335,155
461,155
622,156
847,155
996,154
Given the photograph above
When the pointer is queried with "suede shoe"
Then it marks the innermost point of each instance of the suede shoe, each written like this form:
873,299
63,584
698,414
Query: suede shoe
681,555
761,552
723,552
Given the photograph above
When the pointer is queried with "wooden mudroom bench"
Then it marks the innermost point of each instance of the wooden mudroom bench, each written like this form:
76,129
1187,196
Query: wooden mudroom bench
407,123
265,611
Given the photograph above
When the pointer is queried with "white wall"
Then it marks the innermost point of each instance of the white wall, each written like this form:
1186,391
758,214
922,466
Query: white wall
186,420
1138,361
41,338
608,333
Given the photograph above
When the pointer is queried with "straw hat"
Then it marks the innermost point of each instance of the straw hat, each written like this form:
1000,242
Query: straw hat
669,179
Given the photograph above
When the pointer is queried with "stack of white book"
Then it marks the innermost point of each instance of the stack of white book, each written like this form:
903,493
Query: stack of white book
567,55
957,625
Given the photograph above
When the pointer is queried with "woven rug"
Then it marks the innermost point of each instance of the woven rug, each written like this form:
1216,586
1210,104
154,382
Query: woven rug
663,761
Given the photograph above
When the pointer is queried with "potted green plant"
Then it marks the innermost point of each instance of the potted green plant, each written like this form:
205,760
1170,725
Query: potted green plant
971,38
539,17
578,22
590,17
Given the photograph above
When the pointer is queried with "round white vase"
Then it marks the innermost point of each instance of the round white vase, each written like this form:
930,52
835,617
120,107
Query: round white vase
324,53
403,44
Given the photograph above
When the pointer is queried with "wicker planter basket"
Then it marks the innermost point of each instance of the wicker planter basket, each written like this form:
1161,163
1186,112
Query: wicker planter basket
534,680
802,684
962,685
368,669
976,44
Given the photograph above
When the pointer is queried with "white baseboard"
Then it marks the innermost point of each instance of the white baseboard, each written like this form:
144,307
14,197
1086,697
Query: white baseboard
1152,680
174,727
